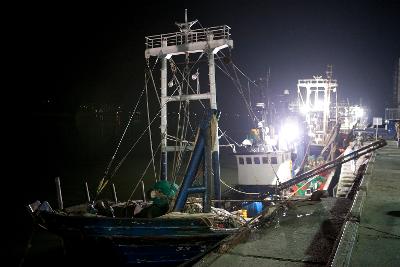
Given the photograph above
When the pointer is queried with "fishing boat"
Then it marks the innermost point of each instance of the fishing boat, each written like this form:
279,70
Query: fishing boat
159,231
330,126
272,153
300,139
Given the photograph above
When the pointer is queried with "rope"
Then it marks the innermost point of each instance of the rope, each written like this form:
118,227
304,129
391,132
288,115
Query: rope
179,124
238,85
226,136
187,80
312,178
234,189
103,184
143,174
152,79
236,67
185,122
174,68
122,137
244,98
177,163
240,91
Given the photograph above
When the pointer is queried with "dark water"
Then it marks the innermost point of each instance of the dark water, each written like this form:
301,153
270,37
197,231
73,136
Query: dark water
76,147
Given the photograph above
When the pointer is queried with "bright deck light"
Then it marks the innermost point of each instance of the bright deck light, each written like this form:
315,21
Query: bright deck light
359,112
319,105
304,109
290,131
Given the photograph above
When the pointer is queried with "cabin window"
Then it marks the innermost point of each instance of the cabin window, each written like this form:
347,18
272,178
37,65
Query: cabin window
274,160
248,160
265,160
257,160
241,161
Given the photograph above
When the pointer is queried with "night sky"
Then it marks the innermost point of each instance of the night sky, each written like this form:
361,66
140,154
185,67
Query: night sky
77,54
66,54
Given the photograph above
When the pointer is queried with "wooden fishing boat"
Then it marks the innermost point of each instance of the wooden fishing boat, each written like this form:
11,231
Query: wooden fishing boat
161,233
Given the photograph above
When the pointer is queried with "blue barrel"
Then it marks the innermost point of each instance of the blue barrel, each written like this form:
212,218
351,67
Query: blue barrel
253,208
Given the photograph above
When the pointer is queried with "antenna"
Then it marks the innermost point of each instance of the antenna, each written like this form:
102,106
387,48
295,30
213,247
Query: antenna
185,27
329,72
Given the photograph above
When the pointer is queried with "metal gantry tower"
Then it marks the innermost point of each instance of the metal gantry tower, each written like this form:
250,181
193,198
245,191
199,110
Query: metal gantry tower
186,41
316,98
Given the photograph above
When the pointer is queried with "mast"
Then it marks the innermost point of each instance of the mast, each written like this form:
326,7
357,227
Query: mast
213,105
314,97
186,41
163,127
329,76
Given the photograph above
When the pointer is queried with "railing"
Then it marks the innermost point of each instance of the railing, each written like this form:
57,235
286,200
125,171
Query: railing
317,82
392,114
179,38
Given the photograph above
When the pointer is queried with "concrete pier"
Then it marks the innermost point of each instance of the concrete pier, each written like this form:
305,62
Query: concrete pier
372,236
335,231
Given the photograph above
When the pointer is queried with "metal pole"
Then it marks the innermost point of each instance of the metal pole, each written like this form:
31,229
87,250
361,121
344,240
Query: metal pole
215,146
163,127
208,172
114,194
198,81
87,192
211,77
143,192
59,195
192,168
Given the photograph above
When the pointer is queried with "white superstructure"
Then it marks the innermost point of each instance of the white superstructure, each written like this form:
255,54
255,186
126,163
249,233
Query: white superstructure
264,168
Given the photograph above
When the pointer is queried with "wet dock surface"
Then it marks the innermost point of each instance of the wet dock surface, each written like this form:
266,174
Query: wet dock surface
331,232
372,237
303,234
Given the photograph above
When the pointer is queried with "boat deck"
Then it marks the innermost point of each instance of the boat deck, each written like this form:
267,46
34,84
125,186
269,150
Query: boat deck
372,238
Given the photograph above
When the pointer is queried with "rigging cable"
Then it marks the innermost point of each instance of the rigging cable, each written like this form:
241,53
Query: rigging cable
186,116
178,84
178,158
238,86
238,81
152,79
144,173
103,183
187,80
122,137
240,91
236,190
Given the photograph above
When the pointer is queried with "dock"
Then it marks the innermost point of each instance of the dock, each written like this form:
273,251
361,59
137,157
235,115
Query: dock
372,236
360,231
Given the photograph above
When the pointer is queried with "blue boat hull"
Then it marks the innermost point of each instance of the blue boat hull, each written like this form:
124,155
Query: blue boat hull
133,241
